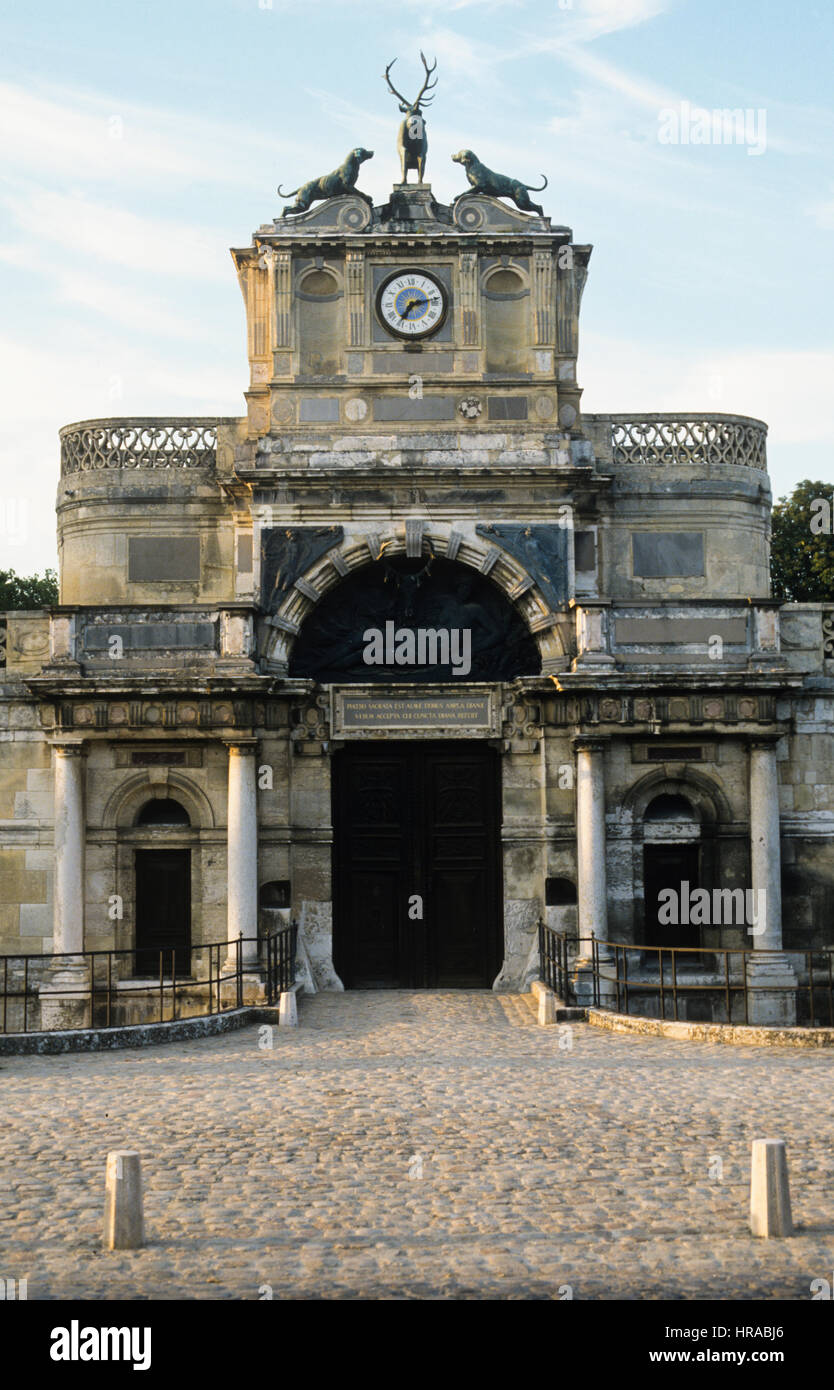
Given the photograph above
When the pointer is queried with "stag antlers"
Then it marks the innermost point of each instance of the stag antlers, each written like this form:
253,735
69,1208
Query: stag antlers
421,99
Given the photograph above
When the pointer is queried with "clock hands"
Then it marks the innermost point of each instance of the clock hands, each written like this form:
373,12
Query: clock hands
413,303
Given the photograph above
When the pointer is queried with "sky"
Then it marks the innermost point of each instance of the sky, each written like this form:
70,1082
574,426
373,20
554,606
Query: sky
140,140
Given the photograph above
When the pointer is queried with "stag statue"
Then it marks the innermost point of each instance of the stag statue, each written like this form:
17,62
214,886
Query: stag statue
412,142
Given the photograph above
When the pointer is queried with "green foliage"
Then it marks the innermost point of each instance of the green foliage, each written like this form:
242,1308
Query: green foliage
802,558
32,591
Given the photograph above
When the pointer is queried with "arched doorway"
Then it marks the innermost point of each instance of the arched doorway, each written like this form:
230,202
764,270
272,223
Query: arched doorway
163,893
671,863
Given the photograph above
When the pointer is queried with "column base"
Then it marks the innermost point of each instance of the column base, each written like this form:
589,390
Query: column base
65,998
252,985
771,984
581,975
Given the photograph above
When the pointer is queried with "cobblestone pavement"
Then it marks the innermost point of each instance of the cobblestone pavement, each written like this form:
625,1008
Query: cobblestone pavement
417,1145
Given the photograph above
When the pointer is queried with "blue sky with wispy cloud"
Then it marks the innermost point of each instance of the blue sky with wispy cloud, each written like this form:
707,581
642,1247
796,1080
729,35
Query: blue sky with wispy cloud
140,141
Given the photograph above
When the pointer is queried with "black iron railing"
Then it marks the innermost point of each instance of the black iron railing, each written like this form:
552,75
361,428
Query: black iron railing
103,989
684,983
280,962
553,960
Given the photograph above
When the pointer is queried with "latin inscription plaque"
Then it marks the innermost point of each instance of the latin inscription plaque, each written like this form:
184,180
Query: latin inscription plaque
453,714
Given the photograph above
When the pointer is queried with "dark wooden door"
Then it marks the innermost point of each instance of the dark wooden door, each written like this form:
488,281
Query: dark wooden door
669,866
416,831
163,909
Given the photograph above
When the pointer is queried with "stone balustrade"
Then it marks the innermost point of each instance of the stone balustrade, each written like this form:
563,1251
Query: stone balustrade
650,440
700,440
144,442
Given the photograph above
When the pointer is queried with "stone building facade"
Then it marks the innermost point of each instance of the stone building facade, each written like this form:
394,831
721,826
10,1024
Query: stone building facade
256,696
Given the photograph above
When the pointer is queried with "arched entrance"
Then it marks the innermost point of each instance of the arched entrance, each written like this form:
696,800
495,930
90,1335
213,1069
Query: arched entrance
417,892
415,620
163,894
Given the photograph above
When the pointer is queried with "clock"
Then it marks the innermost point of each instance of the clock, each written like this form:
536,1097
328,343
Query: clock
411,304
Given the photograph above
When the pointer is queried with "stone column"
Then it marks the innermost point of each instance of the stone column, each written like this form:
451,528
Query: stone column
591,878
771,968
70,838
64,1001
765,847
242,851
591,886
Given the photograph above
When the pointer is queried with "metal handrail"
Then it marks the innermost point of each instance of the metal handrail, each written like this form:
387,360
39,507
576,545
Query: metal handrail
607,974
101,988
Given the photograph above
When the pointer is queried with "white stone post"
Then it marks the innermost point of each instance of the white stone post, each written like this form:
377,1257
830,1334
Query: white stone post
70,837
591,878
124,1224
770,1193
768,970
242,852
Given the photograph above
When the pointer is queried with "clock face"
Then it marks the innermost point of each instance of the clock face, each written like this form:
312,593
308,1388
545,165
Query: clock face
411,304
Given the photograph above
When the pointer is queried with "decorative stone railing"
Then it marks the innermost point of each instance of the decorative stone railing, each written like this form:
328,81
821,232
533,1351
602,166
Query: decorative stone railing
139,443
689,439
186,443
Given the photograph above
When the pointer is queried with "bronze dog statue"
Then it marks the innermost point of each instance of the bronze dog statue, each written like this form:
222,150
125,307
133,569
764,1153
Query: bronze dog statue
484,180
338,184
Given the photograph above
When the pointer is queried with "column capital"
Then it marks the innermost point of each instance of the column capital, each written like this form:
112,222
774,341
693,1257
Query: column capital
590,743
241,747
69,747
763,741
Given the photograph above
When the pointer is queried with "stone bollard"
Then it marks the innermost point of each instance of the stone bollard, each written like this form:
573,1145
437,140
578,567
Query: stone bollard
124,1226
770,1194
547,1009
288,1010
546,1002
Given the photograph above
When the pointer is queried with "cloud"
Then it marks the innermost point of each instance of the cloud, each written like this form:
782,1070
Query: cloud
789,389
122,238
822,214
76,136
638,90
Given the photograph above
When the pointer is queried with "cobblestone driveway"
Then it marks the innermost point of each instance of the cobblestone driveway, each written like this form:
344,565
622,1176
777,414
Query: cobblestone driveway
417,1145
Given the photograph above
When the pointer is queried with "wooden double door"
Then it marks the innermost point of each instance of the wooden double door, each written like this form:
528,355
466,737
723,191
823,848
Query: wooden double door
417,871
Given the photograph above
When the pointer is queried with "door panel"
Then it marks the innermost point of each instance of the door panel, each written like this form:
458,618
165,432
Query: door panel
163,909
669,866
417,820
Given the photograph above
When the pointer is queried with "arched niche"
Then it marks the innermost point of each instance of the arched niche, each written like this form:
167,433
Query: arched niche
675,817
321,323
506,322
163,810
359,631
126,802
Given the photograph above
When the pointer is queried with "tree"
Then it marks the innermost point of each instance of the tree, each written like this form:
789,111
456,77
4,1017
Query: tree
802,544
32,591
